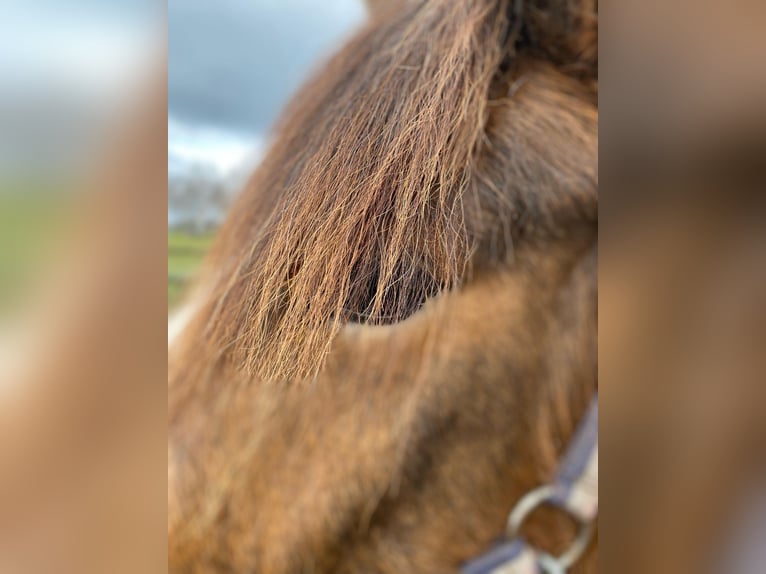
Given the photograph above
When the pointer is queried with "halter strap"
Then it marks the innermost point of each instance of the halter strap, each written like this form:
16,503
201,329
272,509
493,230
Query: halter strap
574,490
577,479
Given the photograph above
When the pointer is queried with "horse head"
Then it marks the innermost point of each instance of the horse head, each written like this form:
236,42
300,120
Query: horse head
394,336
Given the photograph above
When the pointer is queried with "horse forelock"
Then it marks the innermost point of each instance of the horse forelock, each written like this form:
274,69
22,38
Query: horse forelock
371,197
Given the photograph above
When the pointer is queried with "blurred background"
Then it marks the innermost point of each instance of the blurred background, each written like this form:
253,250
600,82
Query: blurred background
232,66
82,285
68,72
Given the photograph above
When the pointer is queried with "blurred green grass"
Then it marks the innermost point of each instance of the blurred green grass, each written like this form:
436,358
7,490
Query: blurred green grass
30,222
185,255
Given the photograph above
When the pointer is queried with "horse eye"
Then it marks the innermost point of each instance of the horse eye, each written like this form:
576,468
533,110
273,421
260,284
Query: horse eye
399,301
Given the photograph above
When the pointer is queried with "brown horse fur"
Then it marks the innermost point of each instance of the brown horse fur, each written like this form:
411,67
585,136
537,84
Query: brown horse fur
395,334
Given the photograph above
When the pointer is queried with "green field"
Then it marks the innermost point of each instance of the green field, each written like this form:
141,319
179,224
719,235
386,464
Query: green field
30,224
185,253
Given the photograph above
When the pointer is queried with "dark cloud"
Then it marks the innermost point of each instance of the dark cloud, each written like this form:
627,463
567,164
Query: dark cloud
233,63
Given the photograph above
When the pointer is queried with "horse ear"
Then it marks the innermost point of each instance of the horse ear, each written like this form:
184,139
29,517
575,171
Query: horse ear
564,31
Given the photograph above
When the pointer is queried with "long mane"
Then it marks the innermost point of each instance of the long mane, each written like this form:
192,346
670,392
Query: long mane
365,205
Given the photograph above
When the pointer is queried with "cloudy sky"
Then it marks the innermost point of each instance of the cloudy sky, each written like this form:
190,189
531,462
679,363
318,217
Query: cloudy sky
65,69
233,64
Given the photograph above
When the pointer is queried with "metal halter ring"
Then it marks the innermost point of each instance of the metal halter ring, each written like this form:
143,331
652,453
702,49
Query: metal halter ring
526,506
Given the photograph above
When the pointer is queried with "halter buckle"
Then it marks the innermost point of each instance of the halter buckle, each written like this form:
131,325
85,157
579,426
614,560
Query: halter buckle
549,563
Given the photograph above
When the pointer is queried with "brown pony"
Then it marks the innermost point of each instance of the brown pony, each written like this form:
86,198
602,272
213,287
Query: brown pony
395,334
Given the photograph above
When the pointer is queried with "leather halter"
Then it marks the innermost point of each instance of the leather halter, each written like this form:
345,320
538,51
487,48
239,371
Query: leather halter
574,490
